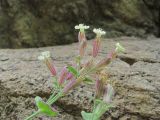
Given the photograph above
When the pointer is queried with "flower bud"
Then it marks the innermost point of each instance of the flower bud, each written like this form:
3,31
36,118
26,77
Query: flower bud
70,85
46,57
81,36
82,48
87,67
69,76
112,55
63,75
108,94
99,88
103,63
96,47
119,48
51,66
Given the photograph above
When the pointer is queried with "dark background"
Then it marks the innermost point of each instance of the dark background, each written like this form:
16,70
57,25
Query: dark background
37,23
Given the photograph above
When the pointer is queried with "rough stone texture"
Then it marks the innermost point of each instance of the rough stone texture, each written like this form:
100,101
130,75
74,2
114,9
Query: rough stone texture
36,23
135,76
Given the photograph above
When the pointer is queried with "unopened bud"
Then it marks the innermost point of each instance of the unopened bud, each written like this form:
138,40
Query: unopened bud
96,47
108,94
112,55
70,85
87,67
51,66
82,48
99,88
103,63
69,76
119,48
62,75
81,36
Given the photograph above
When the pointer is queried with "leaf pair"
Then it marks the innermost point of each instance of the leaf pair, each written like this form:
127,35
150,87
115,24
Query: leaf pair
88,80
73,71
89,116
100,107
45,108
76,74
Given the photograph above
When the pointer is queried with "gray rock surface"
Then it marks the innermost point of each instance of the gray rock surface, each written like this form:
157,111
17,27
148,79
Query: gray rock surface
134,74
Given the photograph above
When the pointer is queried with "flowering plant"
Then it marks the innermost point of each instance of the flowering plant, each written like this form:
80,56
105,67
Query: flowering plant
73,75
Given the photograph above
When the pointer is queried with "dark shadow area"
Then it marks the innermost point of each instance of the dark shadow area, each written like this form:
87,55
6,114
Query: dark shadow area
38,23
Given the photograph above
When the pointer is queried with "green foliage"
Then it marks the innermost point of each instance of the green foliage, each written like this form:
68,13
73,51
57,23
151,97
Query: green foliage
88,116
73,71
88,80
100,107
44,107
82,72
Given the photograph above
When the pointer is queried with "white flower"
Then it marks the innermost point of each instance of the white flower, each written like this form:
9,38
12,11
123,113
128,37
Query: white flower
44,55
41,57
82,27
99,32
119,48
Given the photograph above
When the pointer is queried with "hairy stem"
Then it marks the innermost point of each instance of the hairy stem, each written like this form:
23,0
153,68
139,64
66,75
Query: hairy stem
50,98
33,115
55,98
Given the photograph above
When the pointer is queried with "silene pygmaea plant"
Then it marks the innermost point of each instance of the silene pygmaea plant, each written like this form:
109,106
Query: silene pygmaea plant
74,74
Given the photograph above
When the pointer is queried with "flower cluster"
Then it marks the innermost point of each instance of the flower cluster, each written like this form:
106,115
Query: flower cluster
46,58
96,43
119,48
44,55
74,74
99,32
81,27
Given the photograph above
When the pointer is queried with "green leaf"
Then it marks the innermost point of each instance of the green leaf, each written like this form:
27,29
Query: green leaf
44,107
73,71
119,47
88,80
89,116
100,107
98,101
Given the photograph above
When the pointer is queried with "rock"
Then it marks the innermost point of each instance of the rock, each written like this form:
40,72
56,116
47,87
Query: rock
137,85
35,23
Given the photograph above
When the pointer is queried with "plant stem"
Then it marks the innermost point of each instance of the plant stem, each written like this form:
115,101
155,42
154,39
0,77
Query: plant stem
55,98
33,115
50,98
